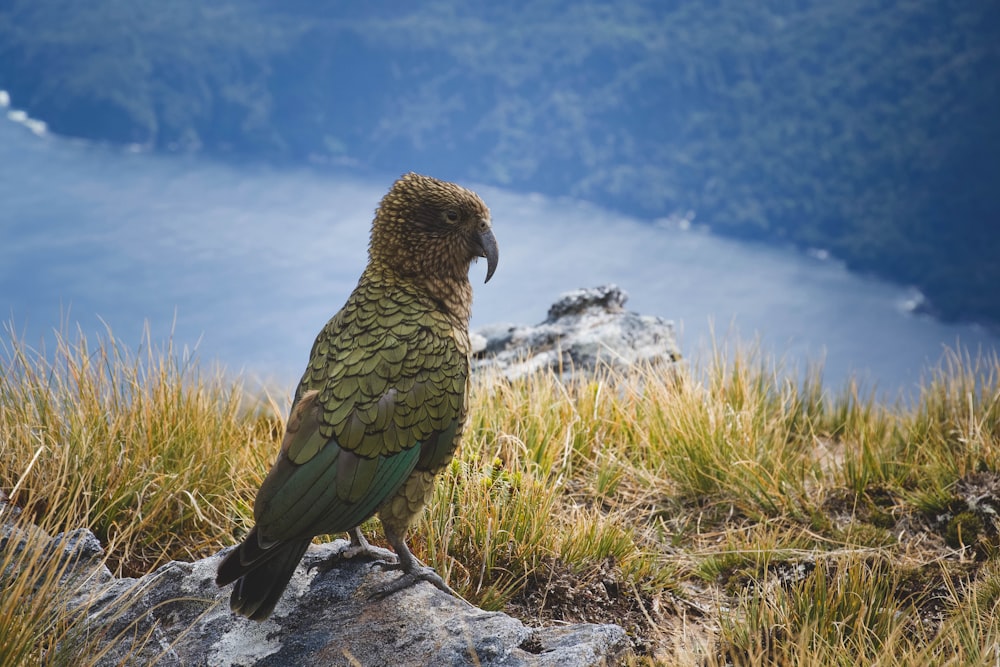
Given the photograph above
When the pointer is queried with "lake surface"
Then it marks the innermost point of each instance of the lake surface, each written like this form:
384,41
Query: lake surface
246,265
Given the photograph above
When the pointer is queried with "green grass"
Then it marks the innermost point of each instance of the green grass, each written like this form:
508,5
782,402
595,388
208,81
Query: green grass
723,514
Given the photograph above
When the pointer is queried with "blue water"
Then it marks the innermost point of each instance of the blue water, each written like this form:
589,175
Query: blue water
246,264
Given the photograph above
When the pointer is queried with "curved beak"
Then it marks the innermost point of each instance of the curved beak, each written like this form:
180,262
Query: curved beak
488,249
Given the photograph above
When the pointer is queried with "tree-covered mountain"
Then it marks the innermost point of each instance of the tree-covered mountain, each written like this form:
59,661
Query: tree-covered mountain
868,127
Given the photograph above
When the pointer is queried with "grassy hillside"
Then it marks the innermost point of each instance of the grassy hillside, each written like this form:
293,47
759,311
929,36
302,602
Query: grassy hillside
723,514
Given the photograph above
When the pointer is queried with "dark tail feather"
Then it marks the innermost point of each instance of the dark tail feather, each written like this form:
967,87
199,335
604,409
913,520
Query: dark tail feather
260,575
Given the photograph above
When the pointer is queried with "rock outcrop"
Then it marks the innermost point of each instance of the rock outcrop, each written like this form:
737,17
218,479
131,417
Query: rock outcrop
178,616
584,328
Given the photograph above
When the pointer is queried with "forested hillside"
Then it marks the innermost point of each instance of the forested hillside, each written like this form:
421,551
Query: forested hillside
866,127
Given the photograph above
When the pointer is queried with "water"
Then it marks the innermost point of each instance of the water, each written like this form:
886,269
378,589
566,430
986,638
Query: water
246,264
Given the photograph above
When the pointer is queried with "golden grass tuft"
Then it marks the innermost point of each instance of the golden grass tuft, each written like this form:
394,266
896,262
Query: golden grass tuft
724,514
162,459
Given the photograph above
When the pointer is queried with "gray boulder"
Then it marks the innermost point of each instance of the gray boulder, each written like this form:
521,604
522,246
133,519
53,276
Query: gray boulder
178,616
584,329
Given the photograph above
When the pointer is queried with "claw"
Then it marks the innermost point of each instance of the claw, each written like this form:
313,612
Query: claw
408,578
413,569
359,547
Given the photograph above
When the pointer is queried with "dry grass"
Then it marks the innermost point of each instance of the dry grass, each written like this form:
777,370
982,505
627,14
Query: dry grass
724,515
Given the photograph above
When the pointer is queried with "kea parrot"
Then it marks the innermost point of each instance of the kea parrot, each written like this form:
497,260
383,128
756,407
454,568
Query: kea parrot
381,406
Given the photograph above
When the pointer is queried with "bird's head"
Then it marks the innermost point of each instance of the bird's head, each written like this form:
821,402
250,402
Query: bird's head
431,229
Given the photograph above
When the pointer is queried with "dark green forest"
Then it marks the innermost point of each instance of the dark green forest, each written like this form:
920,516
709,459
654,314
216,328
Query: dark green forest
870,128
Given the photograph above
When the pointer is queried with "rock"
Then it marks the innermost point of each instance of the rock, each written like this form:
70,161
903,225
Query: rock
584,329
178,616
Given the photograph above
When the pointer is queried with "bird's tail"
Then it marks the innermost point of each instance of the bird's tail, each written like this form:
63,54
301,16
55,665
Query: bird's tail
261,575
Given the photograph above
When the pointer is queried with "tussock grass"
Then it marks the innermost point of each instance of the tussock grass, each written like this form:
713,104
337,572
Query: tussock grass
42,600
161,458
725,514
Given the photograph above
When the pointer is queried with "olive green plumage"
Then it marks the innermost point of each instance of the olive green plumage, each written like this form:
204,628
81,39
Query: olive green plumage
381,406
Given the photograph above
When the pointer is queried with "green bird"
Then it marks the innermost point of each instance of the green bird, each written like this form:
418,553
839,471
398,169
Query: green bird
381,406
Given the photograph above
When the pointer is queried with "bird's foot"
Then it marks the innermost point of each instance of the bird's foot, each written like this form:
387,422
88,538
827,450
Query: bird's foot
378,554
359,547
409,577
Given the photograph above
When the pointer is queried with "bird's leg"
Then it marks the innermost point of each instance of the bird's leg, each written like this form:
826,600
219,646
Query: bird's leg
413,569
359,547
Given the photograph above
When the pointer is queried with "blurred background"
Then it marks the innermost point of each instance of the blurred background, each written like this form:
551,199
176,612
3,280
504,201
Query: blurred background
821,177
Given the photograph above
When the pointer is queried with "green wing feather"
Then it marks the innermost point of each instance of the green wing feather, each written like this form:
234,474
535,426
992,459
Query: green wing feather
383,392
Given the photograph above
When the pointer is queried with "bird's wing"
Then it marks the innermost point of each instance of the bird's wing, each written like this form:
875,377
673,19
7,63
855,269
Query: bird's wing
389,394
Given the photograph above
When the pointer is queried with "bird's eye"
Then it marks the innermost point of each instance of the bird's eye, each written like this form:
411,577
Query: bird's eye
451,215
